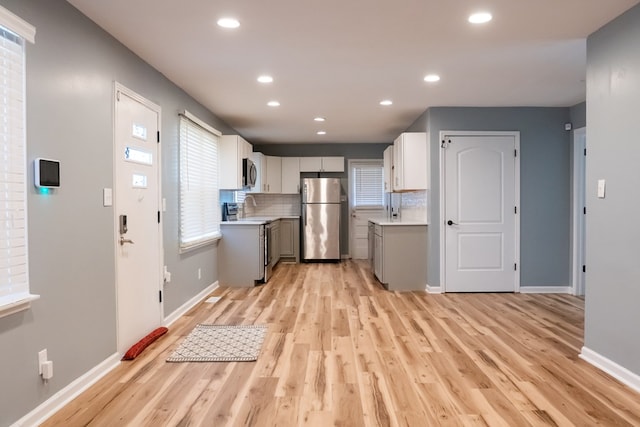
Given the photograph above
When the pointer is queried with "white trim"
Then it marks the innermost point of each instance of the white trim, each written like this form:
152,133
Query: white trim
516,136
578,203
545,290
201,123
52,405
17,306
617,371
180,311
18,25
434,289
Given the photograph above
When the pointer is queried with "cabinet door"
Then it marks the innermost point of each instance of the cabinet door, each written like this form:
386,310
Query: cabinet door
333,164
275,245
410,162
273,175
230,177
310,164
290,175
286,238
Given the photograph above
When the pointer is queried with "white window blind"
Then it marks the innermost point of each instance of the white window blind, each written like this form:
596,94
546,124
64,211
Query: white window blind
14,266
368,186
199,197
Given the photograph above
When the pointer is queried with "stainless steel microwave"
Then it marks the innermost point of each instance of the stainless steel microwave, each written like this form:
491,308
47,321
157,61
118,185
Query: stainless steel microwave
249,173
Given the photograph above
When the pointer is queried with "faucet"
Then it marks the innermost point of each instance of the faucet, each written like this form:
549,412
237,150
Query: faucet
252,199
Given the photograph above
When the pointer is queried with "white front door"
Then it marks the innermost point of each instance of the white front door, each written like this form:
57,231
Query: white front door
480,213
138,231
366,200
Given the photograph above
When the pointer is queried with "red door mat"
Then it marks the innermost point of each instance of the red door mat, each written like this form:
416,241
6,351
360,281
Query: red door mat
137,348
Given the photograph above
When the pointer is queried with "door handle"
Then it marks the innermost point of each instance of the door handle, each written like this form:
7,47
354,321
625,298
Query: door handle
123,241
451,223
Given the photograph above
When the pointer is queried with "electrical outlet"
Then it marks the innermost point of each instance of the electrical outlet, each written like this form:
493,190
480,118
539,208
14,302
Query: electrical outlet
42,357
199,273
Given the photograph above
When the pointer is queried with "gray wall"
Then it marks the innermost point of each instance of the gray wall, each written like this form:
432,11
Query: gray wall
70,73
348,151
578,115
613,235
545,203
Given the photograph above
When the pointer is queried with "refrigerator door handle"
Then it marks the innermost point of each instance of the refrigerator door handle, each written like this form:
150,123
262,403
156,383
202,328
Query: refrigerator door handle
304,215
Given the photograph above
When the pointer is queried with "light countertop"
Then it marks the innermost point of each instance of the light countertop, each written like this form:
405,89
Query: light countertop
258,220
385,221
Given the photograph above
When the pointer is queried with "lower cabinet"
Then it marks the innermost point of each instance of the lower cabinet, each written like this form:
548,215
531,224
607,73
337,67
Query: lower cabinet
290,239
241,254
274,245
400,256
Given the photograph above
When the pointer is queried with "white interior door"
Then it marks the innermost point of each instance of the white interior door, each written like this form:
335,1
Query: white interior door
480,213
137,196
366,200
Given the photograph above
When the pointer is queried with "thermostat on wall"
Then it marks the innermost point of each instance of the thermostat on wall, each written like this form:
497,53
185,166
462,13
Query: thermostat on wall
47,173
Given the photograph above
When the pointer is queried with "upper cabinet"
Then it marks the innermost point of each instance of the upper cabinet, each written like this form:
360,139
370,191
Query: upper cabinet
290,175
322,164
388,169
233,148
411,162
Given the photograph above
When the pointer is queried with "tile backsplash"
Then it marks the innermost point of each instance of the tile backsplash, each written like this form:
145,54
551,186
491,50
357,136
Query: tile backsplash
414,206
253,205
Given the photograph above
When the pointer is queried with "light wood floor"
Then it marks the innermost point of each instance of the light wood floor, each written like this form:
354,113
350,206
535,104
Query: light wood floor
342,351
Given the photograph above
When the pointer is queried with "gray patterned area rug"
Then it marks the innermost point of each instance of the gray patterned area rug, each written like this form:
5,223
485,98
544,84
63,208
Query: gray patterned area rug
221,343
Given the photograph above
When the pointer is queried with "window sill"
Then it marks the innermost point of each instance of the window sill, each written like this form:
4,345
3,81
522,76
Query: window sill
17,306
212,240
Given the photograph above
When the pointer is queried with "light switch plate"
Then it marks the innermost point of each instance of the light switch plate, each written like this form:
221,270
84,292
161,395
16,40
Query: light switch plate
107,197
601,187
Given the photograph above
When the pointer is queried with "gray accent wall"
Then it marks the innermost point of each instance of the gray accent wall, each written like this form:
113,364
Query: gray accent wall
71,71
613,234
545,202
578,115
348,151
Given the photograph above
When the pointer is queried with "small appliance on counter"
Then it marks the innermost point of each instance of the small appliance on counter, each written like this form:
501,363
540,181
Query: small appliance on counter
229,211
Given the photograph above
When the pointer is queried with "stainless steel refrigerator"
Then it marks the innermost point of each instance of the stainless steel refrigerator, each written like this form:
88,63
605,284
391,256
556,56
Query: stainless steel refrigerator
321,219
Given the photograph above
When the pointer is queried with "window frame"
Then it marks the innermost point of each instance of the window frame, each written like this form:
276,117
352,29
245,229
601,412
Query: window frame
210,230
362,164
17,296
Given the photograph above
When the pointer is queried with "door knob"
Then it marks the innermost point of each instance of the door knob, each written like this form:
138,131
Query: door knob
451,223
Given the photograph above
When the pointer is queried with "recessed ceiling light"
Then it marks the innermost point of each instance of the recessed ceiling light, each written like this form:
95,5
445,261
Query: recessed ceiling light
319,119
228,23
386,102
480,18
321,132
265,79
273,104
431,78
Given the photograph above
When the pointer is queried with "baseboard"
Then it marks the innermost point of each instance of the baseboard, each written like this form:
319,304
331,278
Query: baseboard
546,289
618,372
434,289
180,311
67,394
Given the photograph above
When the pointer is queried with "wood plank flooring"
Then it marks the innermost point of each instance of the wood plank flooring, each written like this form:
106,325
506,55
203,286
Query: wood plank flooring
343,351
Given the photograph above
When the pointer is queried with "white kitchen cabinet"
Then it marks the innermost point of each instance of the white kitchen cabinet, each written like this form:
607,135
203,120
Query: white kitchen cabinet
233,148
273,175
290,239
290,175
388,169
410,162
322,164
400,256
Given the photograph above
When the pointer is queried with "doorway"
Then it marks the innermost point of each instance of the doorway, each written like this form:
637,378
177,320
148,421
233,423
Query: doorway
480,211
579,211
137,216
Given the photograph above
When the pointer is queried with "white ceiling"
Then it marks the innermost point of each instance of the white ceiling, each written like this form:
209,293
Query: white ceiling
339,58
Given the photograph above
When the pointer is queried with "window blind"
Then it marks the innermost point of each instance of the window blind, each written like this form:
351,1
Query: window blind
368,182
199,196
14,267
